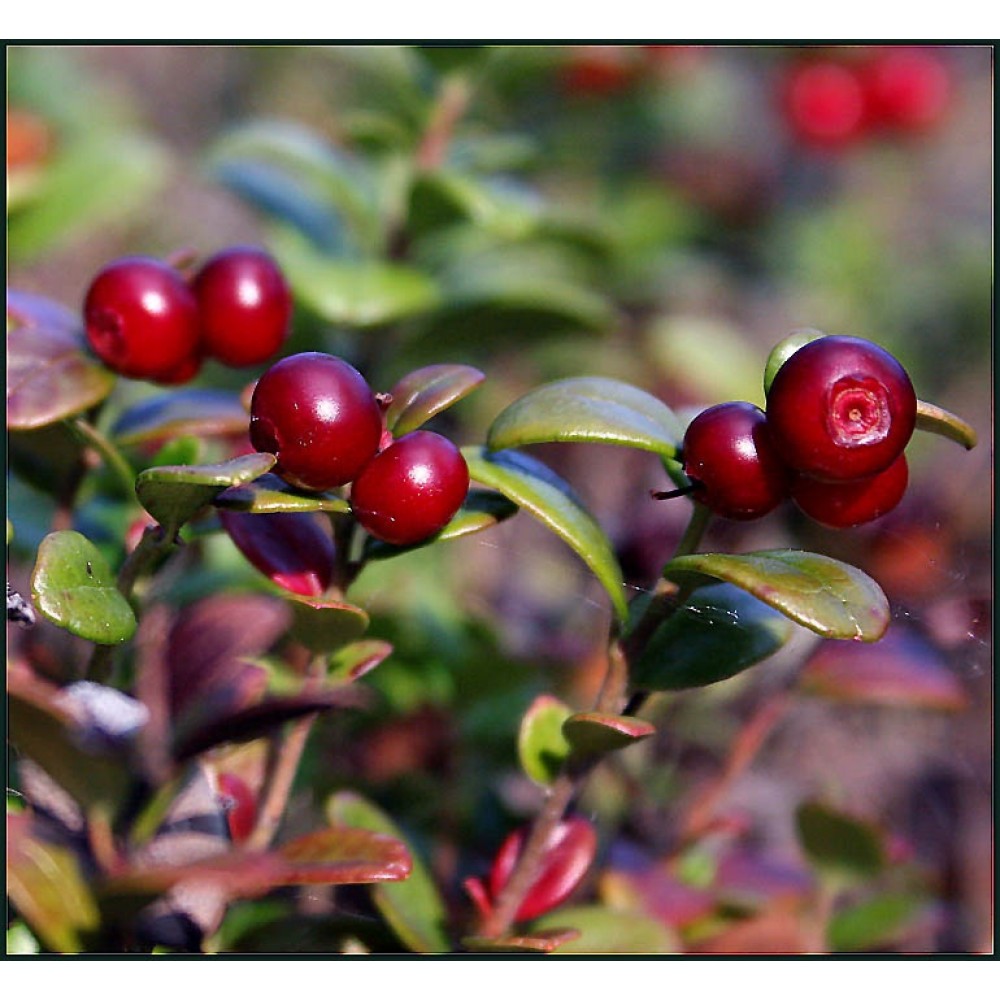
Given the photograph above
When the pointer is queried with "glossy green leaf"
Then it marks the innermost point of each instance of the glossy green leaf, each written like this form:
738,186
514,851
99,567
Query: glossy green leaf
270,494
591,409
355,293
421,394
414,909
532,485
874,923
594,734
198,412
73,586
50,374
481,509
95,181
324,625
46,885
357,659
837,844
937,420
173,494
719,632
602,930
542,747
825,595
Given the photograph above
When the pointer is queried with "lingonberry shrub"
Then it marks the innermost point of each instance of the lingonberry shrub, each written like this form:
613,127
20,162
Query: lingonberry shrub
363,613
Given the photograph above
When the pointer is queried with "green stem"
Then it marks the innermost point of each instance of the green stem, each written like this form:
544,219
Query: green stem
113,458
694,532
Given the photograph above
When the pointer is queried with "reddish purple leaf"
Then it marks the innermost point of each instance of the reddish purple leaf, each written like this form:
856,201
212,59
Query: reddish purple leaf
899,671
568,856
290,549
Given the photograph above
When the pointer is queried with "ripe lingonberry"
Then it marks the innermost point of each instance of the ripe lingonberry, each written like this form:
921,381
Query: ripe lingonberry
825,103
907,88
841,408
239,805
846,505
319,416
730,457
244,304
142,320
411,490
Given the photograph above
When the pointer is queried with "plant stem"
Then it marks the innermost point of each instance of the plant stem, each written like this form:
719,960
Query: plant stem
113,458
451,105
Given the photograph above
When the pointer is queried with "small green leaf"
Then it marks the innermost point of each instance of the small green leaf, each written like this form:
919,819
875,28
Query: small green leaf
481,509
425,392
823,594
324,625
876,922
839,845
592,409
784,349
532,485
50,375
414,909
46,885
173,494
198,412
269,494
718,633
541,745
351,662
594,734
602,930
73,586
936,420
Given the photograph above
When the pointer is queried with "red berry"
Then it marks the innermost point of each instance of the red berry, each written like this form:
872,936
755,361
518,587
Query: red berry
142,320
846,505
320,418
729,455
244,304
597,70
825,103
907,88
411,490
568,855
841,408
239,804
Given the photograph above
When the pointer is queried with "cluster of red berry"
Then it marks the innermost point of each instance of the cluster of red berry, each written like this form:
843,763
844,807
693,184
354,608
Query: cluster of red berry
145,320
320,418
840,411
835,100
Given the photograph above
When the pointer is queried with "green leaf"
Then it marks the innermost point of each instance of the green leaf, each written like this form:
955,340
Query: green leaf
839,845
355,293
324,625
270,494
93,182
593,409
784,349
198,412
425,392
541,745
823,594
74,587
45,884
532,485
414,909
480,510
876,922
50,375
594,734
351,662
936,420
173,494
602,930
720,631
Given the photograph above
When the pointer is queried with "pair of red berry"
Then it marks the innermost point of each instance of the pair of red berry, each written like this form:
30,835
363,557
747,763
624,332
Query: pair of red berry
835,101
319,416
840,411
144,320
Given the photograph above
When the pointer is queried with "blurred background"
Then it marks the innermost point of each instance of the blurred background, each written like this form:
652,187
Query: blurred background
662,214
